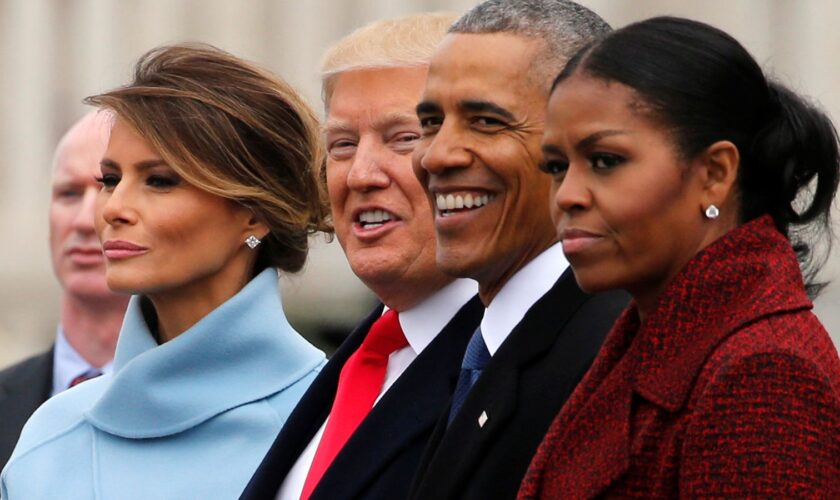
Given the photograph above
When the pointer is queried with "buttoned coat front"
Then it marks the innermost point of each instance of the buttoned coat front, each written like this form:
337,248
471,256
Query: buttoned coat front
191,418
730,388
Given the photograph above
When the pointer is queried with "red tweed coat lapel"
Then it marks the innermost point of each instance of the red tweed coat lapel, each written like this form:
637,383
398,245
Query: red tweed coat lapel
632,401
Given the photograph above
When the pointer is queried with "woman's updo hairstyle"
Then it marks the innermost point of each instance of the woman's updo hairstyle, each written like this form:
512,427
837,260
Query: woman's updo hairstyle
704,87
235,130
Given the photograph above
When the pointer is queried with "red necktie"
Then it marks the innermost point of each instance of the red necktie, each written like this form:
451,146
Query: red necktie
359,385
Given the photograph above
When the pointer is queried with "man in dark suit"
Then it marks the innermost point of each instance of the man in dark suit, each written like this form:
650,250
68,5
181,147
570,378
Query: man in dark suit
372,80
482,114
90,313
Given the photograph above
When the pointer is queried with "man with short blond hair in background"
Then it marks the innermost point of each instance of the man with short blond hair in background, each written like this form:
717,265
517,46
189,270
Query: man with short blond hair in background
91,314
360,429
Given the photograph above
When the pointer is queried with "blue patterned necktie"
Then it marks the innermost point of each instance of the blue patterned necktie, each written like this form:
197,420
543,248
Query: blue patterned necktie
475,359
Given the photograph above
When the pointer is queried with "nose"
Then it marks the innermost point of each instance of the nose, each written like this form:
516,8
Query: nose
572,193
444,150
116,206
368,168
84,219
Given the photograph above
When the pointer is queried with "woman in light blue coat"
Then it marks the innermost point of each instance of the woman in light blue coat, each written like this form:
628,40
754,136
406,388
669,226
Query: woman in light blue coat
209,186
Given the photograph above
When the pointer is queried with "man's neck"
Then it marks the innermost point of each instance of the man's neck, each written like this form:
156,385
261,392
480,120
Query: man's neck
92,325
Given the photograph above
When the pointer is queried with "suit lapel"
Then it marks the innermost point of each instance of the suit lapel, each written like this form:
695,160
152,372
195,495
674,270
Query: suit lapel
410,408
307,417
22,390
494,398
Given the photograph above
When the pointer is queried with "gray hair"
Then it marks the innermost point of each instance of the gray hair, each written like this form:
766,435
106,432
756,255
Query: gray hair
564,26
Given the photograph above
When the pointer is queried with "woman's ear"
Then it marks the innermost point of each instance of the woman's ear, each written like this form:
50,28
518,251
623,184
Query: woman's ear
257,227
719,165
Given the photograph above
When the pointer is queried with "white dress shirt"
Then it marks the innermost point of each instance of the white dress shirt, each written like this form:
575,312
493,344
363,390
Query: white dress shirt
420,324
69,364
521,291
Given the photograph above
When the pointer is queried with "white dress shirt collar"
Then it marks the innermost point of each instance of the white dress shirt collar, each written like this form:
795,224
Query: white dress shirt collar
69,364
423,322
521,291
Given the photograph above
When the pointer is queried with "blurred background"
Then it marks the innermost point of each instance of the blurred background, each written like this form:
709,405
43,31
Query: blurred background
55,52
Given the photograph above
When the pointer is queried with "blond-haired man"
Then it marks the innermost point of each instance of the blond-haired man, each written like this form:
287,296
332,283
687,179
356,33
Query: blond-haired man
361,428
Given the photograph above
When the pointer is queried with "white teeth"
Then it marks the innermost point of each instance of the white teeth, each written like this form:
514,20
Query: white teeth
441,202
447,202
450,202
374,217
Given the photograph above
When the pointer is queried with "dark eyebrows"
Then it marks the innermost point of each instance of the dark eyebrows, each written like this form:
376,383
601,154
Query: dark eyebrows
477,106
426,107
552,150
140,165
591,139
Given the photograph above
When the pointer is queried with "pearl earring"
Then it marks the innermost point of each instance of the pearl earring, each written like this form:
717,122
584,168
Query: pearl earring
252,241
712,212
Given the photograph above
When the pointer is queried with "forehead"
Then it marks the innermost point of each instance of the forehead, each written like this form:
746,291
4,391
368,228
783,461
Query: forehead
492,66
587,102
79,152
373,95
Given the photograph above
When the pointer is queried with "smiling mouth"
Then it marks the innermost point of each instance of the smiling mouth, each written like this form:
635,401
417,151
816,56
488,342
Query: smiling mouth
372,219
452,203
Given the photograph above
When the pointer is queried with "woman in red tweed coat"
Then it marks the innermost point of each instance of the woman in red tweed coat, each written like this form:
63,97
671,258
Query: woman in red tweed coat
677,168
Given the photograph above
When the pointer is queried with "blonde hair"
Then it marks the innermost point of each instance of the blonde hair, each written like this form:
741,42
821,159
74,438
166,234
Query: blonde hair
392,43
235,130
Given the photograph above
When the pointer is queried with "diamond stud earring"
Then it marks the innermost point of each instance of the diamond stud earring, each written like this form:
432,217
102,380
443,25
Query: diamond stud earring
712,212
252,241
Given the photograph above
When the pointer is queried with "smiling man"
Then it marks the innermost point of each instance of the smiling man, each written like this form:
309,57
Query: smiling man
482,115
359,431
91,314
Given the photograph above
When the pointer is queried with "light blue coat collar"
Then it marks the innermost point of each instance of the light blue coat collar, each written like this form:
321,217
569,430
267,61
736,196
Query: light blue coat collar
242,351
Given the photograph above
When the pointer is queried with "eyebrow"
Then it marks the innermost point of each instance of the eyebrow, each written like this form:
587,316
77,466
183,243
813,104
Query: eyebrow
591,139
470,105
427,107
479,106
584,143
140,165
380,122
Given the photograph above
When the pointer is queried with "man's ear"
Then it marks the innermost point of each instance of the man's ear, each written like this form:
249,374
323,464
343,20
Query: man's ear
719,165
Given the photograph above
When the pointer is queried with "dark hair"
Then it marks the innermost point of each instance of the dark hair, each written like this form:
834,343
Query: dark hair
704,86
235,130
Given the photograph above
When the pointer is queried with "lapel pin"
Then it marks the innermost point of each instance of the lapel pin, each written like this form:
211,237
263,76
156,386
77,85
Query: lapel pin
482,419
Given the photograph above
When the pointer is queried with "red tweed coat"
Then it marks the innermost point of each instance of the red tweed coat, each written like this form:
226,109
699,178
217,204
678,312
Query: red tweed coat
730,389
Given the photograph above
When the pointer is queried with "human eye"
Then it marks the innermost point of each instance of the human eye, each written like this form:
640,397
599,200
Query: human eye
489,122
405,141
108,181
605,161
160,181
67,193
554,166
341,149
430,123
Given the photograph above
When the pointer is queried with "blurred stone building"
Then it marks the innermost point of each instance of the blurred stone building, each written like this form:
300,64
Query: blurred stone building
55,52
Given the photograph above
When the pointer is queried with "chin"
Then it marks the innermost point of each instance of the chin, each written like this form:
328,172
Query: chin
89,288
591,282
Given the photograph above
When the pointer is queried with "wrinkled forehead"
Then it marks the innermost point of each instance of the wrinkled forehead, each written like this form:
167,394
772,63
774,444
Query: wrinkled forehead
497,67
375,97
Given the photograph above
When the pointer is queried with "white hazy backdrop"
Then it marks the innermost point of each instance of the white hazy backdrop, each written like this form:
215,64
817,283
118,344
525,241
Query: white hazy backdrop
55,52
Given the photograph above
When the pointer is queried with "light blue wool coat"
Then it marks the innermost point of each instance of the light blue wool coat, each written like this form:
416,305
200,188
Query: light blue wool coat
191,418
